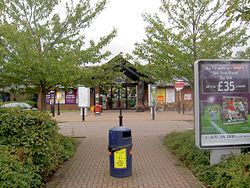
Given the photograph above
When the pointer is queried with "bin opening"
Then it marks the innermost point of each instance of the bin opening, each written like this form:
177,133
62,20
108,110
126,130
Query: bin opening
126,134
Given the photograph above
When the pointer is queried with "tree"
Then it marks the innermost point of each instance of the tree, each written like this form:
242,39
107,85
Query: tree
238,9
43,48
193,29
244,54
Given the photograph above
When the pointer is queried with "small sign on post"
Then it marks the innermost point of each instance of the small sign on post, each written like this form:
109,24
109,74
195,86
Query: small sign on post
222,98
83,99
179,85
58,98
52,102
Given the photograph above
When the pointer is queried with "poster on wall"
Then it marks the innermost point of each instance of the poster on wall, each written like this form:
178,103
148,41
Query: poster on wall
170,95
60,94
161,95
187,97
222,106
70,97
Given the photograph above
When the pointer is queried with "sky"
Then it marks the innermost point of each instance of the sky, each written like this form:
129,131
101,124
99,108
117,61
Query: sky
126,17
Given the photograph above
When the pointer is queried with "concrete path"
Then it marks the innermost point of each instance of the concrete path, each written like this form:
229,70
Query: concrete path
153,164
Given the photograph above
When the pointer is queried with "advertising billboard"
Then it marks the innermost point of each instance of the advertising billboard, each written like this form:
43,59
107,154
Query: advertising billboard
161,95
70,96
83,97
152,95
222,101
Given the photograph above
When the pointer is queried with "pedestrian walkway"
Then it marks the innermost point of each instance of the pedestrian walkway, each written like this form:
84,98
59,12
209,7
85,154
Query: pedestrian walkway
153,164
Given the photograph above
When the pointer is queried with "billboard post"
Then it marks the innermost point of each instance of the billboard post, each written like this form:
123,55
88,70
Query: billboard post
58,98
152,98
179,85
222,106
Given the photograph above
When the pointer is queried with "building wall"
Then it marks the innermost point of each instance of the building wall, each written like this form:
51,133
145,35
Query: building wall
62,106
186,98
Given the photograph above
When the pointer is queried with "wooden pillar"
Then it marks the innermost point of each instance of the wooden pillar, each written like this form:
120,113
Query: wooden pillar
141,92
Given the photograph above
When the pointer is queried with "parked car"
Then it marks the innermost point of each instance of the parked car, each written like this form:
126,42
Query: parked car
24,106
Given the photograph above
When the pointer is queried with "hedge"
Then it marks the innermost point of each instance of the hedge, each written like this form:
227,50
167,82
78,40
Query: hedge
33,148
231,172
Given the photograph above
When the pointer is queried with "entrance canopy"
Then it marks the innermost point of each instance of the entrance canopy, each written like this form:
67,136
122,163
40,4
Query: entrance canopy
128,69
124,81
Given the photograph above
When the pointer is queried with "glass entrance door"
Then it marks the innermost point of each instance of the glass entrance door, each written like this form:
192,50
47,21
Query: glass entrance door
116,95
110,97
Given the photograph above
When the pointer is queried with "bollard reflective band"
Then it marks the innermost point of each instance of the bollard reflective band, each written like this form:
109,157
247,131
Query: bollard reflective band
116,148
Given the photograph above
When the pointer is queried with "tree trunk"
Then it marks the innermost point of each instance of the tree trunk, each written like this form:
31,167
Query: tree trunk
43,99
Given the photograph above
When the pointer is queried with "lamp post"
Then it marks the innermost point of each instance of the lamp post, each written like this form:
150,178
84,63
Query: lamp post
52,102
119,105
119,81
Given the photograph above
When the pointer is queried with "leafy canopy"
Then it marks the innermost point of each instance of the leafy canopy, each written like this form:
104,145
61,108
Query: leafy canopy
43,47
185,31
238,10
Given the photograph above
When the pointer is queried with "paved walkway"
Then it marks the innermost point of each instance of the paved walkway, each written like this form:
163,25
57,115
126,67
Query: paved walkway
153,164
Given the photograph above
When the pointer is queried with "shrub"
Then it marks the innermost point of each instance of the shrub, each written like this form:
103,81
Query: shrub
234,172
34,137
231,172
14,172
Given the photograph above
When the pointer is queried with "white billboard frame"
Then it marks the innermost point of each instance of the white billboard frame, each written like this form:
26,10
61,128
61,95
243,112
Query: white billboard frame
83,97
222,139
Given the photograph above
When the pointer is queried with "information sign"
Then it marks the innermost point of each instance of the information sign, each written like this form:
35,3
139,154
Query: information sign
152,95
58,95
222,103
52,97
188,97
83,97
120,159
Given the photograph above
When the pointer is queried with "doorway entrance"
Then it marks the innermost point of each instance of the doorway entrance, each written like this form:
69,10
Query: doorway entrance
127,96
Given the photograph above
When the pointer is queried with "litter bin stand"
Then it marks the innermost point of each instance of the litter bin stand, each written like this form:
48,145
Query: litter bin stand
120,151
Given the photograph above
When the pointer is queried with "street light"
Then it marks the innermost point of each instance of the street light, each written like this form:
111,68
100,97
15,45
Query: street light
119,81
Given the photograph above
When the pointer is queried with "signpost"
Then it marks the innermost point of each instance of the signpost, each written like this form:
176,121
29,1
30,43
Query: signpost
119,82
152,98
222,107
58,98
179,85
83,99
52,102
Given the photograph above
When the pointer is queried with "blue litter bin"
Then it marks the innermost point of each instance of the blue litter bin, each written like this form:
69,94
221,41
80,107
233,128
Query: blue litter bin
120,151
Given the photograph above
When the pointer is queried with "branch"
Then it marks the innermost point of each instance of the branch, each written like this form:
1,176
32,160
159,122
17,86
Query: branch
30,27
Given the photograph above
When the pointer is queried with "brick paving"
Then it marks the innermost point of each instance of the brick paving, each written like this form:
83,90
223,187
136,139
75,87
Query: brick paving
153,165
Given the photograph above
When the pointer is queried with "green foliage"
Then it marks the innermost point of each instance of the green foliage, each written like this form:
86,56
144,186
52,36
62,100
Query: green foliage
35,144
234,172
231,172
244,54
43,49
15,172
185,31
238,10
